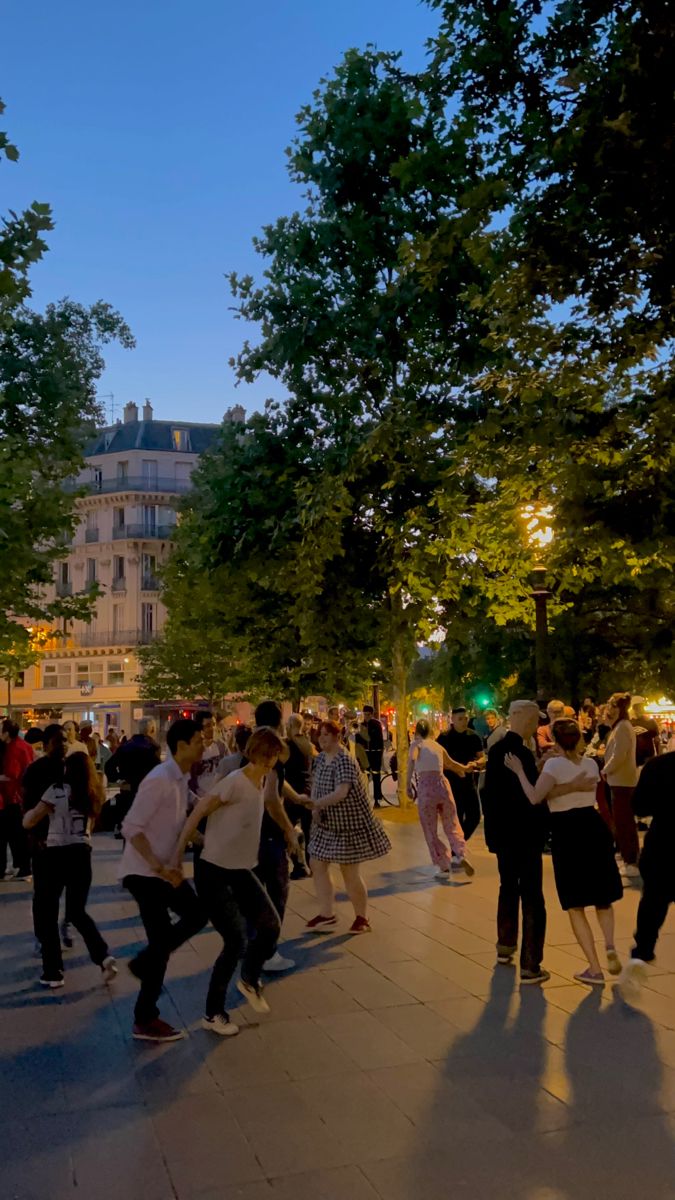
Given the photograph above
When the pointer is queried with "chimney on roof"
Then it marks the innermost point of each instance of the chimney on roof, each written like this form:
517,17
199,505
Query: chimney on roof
130,412
147,410
235,415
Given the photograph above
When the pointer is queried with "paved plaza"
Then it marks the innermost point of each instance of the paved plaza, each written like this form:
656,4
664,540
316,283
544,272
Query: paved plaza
399,1064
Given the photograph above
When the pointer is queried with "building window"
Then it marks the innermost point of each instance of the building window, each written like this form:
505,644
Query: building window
122,472
57,675
115,672
89,672
149,472
91,571
118,518
20,679
64,572
181,439
150,519
148,622
118,567
117,618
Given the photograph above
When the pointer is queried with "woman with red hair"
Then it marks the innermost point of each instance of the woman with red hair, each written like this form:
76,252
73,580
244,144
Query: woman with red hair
344,831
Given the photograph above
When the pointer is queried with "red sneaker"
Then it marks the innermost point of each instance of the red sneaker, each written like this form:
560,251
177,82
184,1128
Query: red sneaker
321,924
361,925
157,1031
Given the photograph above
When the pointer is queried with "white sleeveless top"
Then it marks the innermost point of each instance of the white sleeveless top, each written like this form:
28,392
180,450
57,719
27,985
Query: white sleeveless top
429,756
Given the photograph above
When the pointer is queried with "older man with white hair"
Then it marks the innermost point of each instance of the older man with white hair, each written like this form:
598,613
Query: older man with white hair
515,831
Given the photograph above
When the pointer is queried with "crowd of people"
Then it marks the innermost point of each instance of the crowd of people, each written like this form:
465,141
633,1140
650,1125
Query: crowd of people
263,805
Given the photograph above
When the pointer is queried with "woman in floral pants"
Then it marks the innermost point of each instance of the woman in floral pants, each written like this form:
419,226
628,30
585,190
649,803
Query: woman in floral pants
434,799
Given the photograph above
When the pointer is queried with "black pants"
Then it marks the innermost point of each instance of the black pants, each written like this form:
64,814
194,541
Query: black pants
13,834
467,802
241,911
657,896
375,767
55,869
521,884
272,871
156,899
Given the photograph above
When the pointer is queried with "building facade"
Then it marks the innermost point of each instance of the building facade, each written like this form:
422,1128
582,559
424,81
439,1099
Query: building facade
136,473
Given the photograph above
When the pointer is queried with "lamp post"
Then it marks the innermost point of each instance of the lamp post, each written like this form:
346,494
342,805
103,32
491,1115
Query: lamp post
539,530
376,688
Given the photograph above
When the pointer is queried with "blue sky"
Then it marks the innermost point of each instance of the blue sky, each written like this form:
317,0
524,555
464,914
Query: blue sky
156,130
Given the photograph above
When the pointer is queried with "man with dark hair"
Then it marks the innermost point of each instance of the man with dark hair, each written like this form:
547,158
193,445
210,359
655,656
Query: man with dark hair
37,779
371,737
151,829
130,764
17,757
515,830
464,746
203,773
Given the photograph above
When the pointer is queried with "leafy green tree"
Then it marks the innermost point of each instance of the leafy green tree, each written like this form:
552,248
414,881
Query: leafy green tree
49,365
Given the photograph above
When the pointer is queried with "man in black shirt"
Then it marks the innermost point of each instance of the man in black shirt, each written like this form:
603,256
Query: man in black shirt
129,765
515,831
464,746
654,796
372,739
37,779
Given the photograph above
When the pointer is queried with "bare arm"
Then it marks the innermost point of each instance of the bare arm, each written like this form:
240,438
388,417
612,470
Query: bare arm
449,764
340,793
275,808
536,793
208,804
37,814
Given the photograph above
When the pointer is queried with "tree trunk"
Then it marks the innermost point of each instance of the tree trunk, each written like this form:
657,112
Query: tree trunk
400,686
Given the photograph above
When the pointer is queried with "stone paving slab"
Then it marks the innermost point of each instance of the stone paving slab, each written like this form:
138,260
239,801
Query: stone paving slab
392,1066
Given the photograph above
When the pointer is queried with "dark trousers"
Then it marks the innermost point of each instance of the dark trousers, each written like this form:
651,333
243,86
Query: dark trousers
272,871
56,869
375,768
657,896
13,834
156,899
465,793
521,884
624,823
241,911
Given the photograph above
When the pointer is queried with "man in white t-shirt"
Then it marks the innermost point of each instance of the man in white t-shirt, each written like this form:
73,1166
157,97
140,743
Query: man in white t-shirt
148,870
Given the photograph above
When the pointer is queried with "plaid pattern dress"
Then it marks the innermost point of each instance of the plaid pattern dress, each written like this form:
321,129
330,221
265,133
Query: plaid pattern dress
346,832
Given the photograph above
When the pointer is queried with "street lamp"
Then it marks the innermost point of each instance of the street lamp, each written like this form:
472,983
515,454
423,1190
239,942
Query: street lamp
538,520
376,687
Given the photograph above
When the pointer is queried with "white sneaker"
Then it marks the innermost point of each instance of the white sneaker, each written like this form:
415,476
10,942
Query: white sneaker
456,862
443,874
220,1024
108,969
278,963
254,995
632,977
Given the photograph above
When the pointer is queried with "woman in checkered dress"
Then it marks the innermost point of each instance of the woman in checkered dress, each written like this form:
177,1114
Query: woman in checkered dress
344,831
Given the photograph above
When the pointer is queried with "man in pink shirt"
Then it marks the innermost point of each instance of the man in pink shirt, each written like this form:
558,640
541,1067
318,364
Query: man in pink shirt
151,830
17,756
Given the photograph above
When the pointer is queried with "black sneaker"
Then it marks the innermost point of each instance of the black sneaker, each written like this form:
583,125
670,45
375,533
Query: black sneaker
66,935
540,976
52,981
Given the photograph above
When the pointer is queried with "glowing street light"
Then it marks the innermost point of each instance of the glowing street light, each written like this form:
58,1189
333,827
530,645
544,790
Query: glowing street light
538,522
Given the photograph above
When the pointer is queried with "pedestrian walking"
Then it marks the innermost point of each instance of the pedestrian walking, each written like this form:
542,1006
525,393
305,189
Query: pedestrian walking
620,771
237,904
372,739
435,800
344,831
515,831
653,797
134,758
69,807
148,870
586,874
17,756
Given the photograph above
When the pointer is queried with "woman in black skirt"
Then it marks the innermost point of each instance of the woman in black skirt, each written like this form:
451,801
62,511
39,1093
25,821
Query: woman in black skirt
586,874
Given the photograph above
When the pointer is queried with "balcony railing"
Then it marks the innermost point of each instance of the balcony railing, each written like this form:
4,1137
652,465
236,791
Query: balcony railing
150,583
134,483
116,637
119,584
142,531
64,587
91,535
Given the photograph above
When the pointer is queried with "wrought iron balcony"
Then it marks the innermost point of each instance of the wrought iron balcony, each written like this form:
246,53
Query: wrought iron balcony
150,583
64,587
142,531
115,637
133,483
91,535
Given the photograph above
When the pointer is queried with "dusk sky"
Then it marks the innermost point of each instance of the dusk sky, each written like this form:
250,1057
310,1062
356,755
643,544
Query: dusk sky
156,130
